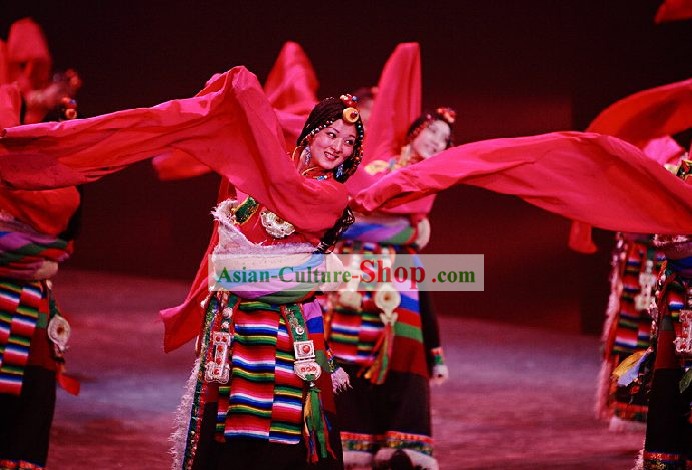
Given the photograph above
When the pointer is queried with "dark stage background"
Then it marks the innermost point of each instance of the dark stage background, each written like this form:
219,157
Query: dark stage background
509,68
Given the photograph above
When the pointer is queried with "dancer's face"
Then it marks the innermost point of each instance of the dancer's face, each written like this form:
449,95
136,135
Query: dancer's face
431,140
333,145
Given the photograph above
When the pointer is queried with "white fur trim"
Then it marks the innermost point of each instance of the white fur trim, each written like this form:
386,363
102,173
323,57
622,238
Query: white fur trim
233,241
382,457
424,461
357,460
601,408
340,380
622,425
178,438
603,389
639,463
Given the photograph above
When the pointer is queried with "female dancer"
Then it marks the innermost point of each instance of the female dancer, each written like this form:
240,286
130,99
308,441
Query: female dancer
389,406
247,406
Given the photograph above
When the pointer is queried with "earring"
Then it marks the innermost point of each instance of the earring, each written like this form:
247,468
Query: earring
307,155
339,171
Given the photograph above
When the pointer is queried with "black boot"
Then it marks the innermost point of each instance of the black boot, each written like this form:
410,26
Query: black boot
400,461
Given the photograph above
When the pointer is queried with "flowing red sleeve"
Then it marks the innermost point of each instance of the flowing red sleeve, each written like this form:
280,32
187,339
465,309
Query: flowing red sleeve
229,127
4,77
641,119
10,104
28,57
652,113
291,89
674,10
397,103
588,177
46,211
182,323
291,85
362,179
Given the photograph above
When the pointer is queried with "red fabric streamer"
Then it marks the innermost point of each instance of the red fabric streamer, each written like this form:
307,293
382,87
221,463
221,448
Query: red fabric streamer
291,89
182,323
664,151
229,126
642,119
587,177
45,211
674,10
10,104
4,72
28,59
396,105
291,85
648,114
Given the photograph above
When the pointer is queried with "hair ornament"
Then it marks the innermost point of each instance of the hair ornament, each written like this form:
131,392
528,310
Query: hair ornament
350,115
349,100
448,114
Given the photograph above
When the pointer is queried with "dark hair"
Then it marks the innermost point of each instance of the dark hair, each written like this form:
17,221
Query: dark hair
333,235
322,115
446,115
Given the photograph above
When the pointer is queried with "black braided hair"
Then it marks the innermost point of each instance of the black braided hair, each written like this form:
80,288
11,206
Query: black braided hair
333,235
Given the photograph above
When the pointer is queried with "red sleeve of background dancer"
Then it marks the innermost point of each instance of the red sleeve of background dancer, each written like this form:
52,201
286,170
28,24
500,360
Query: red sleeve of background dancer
662,150
645,119
4,77
178,166
587,177
45,211
362,180
183,323
292,84
657,112
229,126
397,103
673,10
291,89
10,104
28,57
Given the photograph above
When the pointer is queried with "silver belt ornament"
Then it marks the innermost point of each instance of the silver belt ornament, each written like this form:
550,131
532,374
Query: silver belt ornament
218,370
683,342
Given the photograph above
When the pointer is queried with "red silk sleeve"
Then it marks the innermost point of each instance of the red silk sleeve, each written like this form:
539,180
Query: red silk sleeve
291,89
291,85
674,10
28,57
229,126
47,212
362,180
645,119
397,103
652,113
588,177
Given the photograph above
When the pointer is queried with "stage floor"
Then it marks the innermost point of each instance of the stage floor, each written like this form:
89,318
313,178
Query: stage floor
518,397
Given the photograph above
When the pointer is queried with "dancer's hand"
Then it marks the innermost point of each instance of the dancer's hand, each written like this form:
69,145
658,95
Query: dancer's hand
440,374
